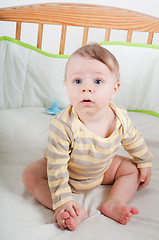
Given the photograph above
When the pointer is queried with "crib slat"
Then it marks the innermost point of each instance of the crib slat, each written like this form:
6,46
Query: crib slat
85,36
107,34
150,38
129,36
18,30
63,39
40,35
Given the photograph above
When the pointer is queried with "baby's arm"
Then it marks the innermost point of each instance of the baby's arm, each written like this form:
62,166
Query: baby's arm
145,175
58,156
135,145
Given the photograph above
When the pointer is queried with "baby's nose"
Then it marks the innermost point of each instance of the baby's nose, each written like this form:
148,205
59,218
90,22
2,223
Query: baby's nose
87,88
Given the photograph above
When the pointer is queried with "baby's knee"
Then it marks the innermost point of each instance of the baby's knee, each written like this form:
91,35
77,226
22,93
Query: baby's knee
29,178
132,168
127,167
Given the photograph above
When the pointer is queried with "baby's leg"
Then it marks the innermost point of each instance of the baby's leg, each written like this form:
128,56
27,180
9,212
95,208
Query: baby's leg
125,175
35,181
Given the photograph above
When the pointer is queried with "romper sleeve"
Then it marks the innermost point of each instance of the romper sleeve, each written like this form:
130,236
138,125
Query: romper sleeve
58,155
134,144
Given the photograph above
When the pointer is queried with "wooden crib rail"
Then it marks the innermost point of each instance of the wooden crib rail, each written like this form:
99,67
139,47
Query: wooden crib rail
82,15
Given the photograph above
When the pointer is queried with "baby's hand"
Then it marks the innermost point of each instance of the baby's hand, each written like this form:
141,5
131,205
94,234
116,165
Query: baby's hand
145,175
71,208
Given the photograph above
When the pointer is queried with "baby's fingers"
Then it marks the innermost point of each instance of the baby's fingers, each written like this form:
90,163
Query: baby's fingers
76,209
54,218
61,223
64,215
73,209
145,175
142,176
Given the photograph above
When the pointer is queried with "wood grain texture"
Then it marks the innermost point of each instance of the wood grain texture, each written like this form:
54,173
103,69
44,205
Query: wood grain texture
40,35
63,39
150,38
129,36
107,34
85,36
82,15
18,30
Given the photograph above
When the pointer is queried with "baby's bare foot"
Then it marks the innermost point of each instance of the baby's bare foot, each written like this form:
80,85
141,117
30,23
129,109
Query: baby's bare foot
118,211
65,215
73,222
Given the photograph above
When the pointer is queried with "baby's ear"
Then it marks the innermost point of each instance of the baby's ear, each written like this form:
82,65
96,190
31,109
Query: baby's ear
116,88
65,81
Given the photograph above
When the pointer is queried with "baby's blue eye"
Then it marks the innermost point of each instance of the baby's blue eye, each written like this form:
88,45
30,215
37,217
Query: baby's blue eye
78,81
98,81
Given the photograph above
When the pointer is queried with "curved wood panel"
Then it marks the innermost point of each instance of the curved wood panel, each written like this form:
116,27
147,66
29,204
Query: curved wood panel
82,15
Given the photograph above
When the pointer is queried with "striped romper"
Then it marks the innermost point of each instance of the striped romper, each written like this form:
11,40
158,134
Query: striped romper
78,158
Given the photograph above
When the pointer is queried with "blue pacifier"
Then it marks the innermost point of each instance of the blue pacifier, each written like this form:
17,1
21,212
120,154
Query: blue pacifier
54,109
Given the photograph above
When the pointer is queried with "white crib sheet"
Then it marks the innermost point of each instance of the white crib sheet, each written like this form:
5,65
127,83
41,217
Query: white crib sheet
23,138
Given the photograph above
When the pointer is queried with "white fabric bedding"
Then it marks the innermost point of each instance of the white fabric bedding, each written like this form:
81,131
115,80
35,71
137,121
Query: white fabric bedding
23,138
30,77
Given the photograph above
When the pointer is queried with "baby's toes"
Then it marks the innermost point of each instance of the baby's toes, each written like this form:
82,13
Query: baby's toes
64,215
125,219
71,224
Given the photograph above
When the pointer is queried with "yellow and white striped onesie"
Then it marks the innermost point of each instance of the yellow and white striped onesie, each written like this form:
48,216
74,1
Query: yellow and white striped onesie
78,158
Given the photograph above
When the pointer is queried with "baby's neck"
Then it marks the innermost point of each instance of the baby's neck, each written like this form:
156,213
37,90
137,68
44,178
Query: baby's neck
103,123
87,117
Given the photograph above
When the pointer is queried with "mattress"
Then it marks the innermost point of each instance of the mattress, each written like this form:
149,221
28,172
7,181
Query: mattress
23,138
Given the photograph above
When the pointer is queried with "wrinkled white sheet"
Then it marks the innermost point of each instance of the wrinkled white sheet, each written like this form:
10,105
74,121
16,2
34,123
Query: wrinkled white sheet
23,138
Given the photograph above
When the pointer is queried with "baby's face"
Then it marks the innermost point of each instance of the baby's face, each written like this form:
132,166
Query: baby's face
90,84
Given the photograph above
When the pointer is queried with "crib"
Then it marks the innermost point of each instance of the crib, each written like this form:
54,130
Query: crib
31,79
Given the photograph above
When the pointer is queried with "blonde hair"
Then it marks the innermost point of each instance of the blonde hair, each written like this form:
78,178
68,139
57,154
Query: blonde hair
95,51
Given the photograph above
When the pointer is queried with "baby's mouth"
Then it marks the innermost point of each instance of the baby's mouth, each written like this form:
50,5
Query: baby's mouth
87,102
